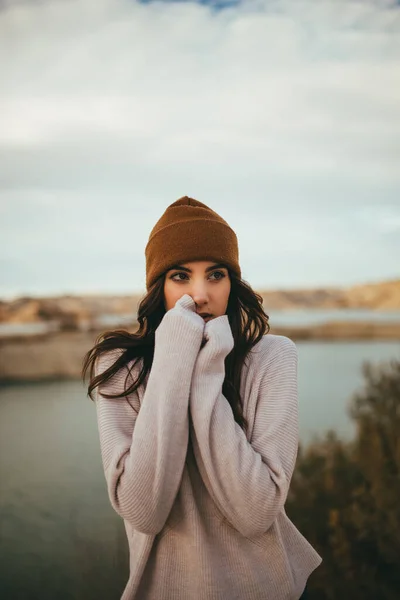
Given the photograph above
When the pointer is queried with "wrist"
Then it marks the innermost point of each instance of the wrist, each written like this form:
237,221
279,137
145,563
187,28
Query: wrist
218,341
218,334
177,342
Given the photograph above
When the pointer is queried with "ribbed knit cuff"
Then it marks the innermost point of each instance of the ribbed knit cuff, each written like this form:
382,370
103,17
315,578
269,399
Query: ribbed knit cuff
219,344
187,305
218,332
179,335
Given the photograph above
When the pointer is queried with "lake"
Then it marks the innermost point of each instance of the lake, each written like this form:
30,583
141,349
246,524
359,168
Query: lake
279,318
59,537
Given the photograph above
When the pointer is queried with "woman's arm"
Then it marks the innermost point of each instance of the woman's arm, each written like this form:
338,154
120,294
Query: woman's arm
144,451
248,482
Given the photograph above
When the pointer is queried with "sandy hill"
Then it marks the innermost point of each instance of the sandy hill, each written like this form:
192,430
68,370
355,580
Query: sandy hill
375,296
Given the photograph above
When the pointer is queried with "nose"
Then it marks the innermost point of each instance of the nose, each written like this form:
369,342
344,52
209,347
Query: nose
199,293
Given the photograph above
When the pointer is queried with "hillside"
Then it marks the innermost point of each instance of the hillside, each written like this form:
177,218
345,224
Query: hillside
375,296
73,310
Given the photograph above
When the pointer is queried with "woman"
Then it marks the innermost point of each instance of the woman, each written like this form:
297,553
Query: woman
198,425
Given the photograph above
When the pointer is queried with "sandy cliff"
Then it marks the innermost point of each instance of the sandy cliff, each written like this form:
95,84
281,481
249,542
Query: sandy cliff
375,296
58,354
76,310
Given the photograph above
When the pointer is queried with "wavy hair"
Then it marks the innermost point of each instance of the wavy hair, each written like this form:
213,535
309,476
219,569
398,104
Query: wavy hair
248,321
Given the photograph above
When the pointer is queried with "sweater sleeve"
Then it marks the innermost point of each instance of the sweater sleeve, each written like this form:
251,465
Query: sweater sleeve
144,445
248,481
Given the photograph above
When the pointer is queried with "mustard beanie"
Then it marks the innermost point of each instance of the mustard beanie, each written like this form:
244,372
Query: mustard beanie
188,231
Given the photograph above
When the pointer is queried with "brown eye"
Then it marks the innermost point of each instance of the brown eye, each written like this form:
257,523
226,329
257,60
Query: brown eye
175,275
220,274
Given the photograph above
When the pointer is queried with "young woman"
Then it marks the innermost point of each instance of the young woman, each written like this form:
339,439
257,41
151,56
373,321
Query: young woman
198,425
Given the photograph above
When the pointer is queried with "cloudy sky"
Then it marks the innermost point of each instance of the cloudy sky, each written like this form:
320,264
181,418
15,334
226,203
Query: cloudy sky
282,115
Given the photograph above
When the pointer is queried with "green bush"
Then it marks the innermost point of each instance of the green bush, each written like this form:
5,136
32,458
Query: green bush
345,497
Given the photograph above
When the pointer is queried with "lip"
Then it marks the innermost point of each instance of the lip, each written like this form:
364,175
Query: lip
205,315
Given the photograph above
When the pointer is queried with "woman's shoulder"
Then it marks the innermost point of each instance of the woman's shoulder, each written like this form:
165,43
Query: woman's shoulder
127,373
108,359
271,349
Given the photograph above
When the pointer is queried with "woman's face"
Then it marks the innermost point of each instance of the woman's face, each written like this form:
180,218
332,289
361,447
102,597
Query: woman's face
206,282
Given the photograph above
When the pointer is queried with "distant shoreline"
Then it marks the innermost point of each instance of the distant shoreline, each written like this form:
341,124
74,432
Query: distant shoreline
80,312
58,356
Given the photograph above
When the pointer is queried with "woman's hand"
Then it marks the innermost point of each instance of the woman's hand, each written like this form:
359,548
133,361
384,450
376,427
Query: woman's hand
218,336
180,322
186,307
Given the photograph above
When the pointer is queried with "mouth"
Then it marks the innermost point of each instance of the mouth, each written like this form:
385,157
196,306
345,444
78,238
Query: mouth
205,316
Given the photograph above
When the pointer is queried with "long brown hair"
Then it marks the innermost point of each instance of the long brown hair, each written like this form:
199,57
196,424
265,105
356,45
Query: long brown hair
248,321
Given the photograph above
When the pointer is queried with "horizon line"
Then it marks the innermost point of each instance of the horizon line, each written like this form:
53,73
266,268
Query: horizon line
136,292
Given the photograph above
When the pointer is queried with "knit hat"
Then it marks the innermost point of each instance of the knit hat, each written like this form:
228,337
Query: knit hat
188,231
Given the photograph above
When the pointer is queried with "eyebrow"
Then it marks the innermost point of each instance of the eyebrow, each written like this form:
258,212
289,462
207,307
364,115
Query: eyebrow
180,268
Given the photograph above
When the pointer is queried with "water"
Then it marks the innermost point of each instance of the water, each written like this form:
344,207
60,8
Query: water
285,318
280,318
299,317
59,537
15,329
328,374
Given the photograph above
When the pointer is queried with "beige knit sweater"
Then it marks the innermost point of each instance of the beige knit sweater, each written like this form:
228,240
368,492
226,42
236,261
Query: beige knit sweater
203,502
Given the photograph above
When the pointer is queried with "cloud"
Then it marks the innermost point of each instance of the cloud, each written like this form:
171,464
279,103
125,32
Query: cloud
282,115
